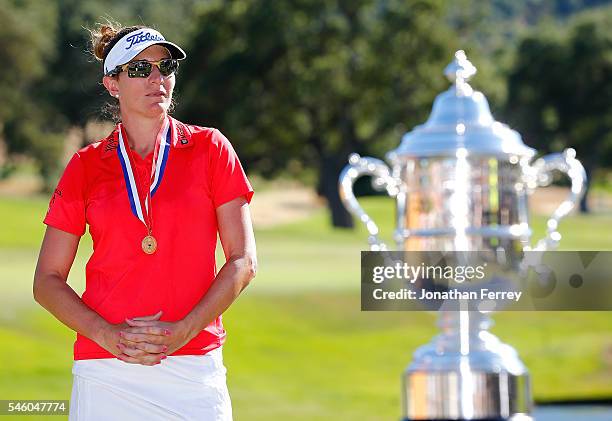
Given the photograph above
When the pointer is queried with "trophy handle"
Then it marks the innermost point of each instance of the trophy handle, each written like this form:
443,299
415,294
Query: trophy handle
567,163
381,180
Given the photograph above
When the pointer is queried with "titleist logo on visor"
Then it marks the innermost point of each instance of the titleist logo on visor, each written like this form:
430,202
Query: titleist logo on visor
142,37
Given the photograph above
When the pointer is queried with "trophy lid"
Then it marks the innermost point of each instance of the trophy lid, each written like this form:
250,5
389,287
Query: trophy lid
461,120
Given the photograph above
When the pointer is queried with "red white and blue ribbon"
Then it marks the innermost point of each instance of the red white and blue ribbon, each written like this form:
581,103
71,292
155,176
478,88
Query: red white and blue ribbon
160,158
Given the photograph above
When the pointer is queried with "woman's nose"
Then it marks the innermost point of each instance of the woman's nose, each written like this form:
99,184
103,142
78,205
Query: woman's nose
156,75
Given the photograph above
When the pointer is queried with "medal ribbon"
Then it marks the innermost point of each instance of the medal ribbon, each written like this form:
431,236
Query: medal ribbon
160,158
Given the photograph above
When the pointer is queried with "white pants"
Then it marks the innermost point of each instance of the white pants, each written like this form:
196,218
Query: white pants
182,387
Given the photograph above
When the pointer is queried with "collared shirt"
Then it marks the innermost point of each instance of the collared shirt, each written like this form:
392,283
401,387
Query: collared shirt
202,172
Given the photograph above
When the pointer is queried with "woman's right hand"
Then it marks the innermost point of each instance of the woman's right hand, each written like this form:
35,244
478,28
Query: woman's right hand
131,352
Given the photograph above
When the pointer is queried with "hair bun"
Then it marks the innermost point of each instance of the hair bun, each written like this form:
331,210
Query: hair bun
106,35
100,38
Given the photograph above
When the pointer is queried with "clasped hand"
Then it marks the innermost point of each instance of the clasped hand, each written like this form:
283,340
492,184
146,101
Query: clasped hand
144,340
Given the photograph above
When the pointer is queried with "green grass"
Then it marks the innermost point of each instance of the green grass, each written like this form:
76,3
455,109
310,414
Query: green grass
298,346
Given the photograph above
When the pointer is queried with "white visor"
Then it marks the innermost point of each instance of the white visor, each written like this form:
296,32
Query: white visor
131,44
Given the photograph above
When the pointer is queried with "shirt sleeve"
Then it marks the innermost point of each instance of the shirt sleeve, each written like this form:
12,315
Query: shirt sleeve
67,205
228,180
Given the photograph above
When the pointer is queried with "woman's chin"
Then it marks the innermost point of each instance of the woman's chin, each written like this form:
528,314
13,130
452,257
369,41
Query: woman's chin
157,108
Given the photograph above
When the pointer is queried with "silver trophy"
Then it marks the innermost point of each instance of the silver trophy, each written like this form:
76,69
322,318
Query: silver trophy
461,182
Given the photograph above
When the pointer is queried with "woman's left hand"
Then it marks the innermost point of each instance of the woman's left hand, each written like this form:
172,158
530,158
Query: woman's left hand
142,333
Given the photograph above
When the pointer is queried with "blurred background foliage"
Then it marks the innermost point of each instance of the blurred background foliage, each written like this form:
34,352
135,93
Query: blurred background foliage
298,85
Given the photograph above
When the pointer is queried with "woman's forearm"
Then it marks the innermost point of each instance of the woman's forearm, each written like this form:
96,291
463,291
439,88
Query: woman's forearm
55,295
233,277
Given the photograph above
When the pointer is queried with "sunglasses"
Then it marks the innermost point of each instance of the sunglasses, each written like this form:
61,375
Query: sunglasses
143,68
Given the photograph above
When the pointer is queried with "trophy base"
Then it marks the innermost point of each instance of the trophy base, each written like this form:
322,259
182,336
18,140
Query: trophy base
517,417
466,395
488,382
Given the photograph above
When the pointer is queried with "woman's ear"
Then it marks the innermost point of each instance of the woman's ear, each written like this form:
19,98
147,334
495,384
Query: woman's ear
112,85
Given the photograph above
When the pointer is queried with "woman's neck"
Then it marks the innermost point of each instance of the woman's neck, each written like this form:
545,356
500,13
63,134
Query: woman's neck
142,132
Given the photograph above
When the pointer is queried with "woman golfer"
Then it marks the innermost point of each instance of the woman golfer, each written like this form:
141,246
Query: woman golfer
154,193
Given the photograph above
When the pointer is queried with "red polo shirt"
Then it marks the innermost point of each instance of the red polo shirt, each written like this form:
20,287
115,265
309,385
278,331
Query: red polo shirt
202,172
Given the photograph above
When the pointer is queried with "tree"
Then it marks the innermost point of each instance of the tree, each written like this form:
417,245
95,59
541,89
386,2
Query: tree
560,90
315,80
26,45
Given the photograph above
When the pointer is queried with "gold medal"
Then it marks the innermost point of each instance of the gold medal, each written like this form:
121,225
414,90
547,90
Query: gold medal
149,244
